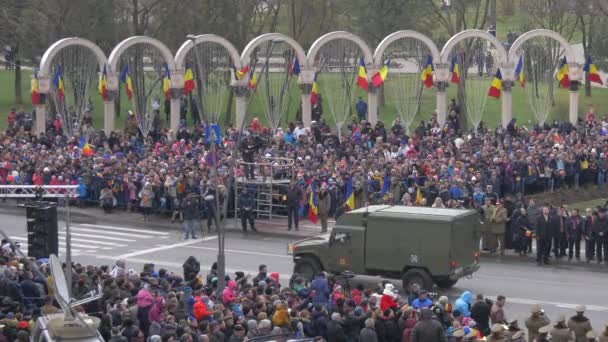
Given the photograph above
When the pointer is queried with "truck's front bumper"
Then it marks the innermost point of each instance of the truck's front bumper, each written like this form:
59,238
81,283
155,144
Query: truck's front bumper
464,271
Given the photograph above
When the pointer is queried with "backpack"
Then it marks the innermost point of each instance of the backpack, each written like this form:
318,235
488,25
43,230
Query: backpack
199,310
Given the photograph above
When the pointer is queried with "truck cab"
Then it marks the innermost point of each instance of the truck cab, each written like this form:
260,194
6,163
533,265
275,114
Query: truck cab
423,246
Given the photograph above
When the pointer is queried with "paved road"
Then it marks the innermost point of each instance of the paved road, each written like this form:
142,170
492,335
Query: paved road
557,288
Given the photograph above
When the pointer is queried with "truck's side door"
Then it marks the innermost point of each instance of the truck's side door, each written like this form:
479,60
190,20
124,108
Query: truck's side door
346,250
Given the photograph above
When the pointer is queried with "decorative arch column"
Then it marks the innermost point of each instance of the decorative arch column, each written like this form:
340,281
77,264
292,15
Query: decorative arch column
574,67
44,76
440,82
303,78
504,64
177,76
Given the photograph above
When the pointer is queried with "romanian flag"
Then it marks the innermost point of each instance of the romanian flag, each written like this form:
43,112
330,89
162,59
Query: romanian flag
315,91
427,72
103,83
125,78
519,72
189,84
455,71
362,75
58,83
592,72
166,82
418,195
34,90
380,76
253,80
350,194
241,72
313,204
496,86
294,69
562,74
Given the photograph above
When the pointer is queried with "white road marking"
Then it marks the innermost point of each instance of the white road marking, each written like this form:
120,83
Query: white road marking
100,237
156,249
106,232
62,235
242,252
136,230
557,304
61,243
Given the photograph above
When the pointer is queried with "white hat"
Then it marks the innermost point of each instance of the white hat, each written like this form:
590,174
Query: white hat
580,308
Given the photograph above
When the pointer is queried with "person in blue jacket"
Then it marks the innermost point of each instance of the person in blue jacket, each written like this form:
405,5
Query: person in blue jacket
423,301
463,304
321,288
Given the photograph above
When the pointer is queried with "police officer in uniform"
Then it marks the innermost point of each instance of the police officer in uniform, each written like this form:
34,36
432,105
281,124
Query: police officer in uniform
249,147
246,203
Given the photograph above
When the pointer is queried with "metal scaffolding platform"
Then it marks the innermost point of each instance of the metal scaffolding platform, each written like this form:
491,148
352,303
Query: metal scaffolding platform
269,185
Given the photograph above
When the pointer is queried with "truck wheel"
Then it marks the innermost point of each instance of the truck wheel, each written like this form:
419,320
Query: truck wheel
418,277
307,268
445,283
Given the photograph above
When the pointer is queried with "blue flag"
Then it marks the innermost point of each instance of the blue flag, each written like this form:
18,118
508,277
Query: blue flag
386,183
82,142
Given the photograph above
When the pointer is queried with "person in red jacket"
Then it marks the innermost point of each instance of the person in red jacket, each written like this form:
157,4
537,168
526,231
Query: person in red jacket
199,309
389,298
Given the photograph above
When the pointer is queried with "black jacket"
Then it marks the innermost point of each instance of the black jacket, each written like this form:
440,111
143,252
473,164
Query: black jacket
335,332
293,197
246,201
480,313
544,228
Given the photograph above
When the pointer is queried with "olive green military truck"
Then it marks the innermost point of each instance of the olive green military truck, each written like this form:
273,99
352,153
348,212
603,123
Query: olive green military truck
422,246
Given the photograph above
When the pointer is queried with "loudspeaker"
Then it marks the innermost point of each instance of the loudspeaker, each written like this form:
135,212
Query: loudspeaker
42,230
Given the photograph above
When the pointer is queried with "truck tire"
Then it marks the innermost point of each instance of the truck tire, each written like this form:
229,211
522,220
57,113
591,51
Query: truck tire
445,283
417,276
307,268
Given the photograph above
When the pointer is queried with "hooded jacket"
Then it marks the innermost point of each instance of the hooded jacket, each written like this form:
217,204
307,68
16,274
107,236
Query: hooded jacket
463,304
229,294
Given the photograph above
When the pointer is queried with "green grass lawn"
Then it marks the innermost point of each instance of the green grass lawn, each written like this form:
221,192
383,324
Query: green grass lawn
387,111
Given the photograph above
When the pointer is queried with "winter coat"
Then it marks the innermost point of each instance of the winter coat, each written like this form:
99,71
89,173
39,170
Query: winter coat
321,288
499,221
335,332
280,318
561,334
463,304
324,202
387,330
580,325
410,323
480,313
191,266
428,330
229,295
156,313
368,335
319,324
535,323
200,310
144,299
388,302
190,208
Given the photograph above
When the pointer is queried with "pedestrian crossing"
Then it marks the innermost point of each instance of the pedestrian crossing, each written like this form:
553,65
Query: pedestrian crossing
93,238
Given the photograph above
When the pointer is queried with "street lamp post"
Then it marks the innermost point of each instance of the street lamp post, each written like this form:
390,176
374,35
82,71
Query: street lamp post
221,258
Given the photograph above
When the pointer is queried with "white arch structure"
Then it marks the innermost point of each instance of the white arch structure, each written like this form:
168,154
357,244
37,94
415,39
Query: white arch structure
44,77
435,54
503,63
113,72
372,97
506,61
574,67
305,73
